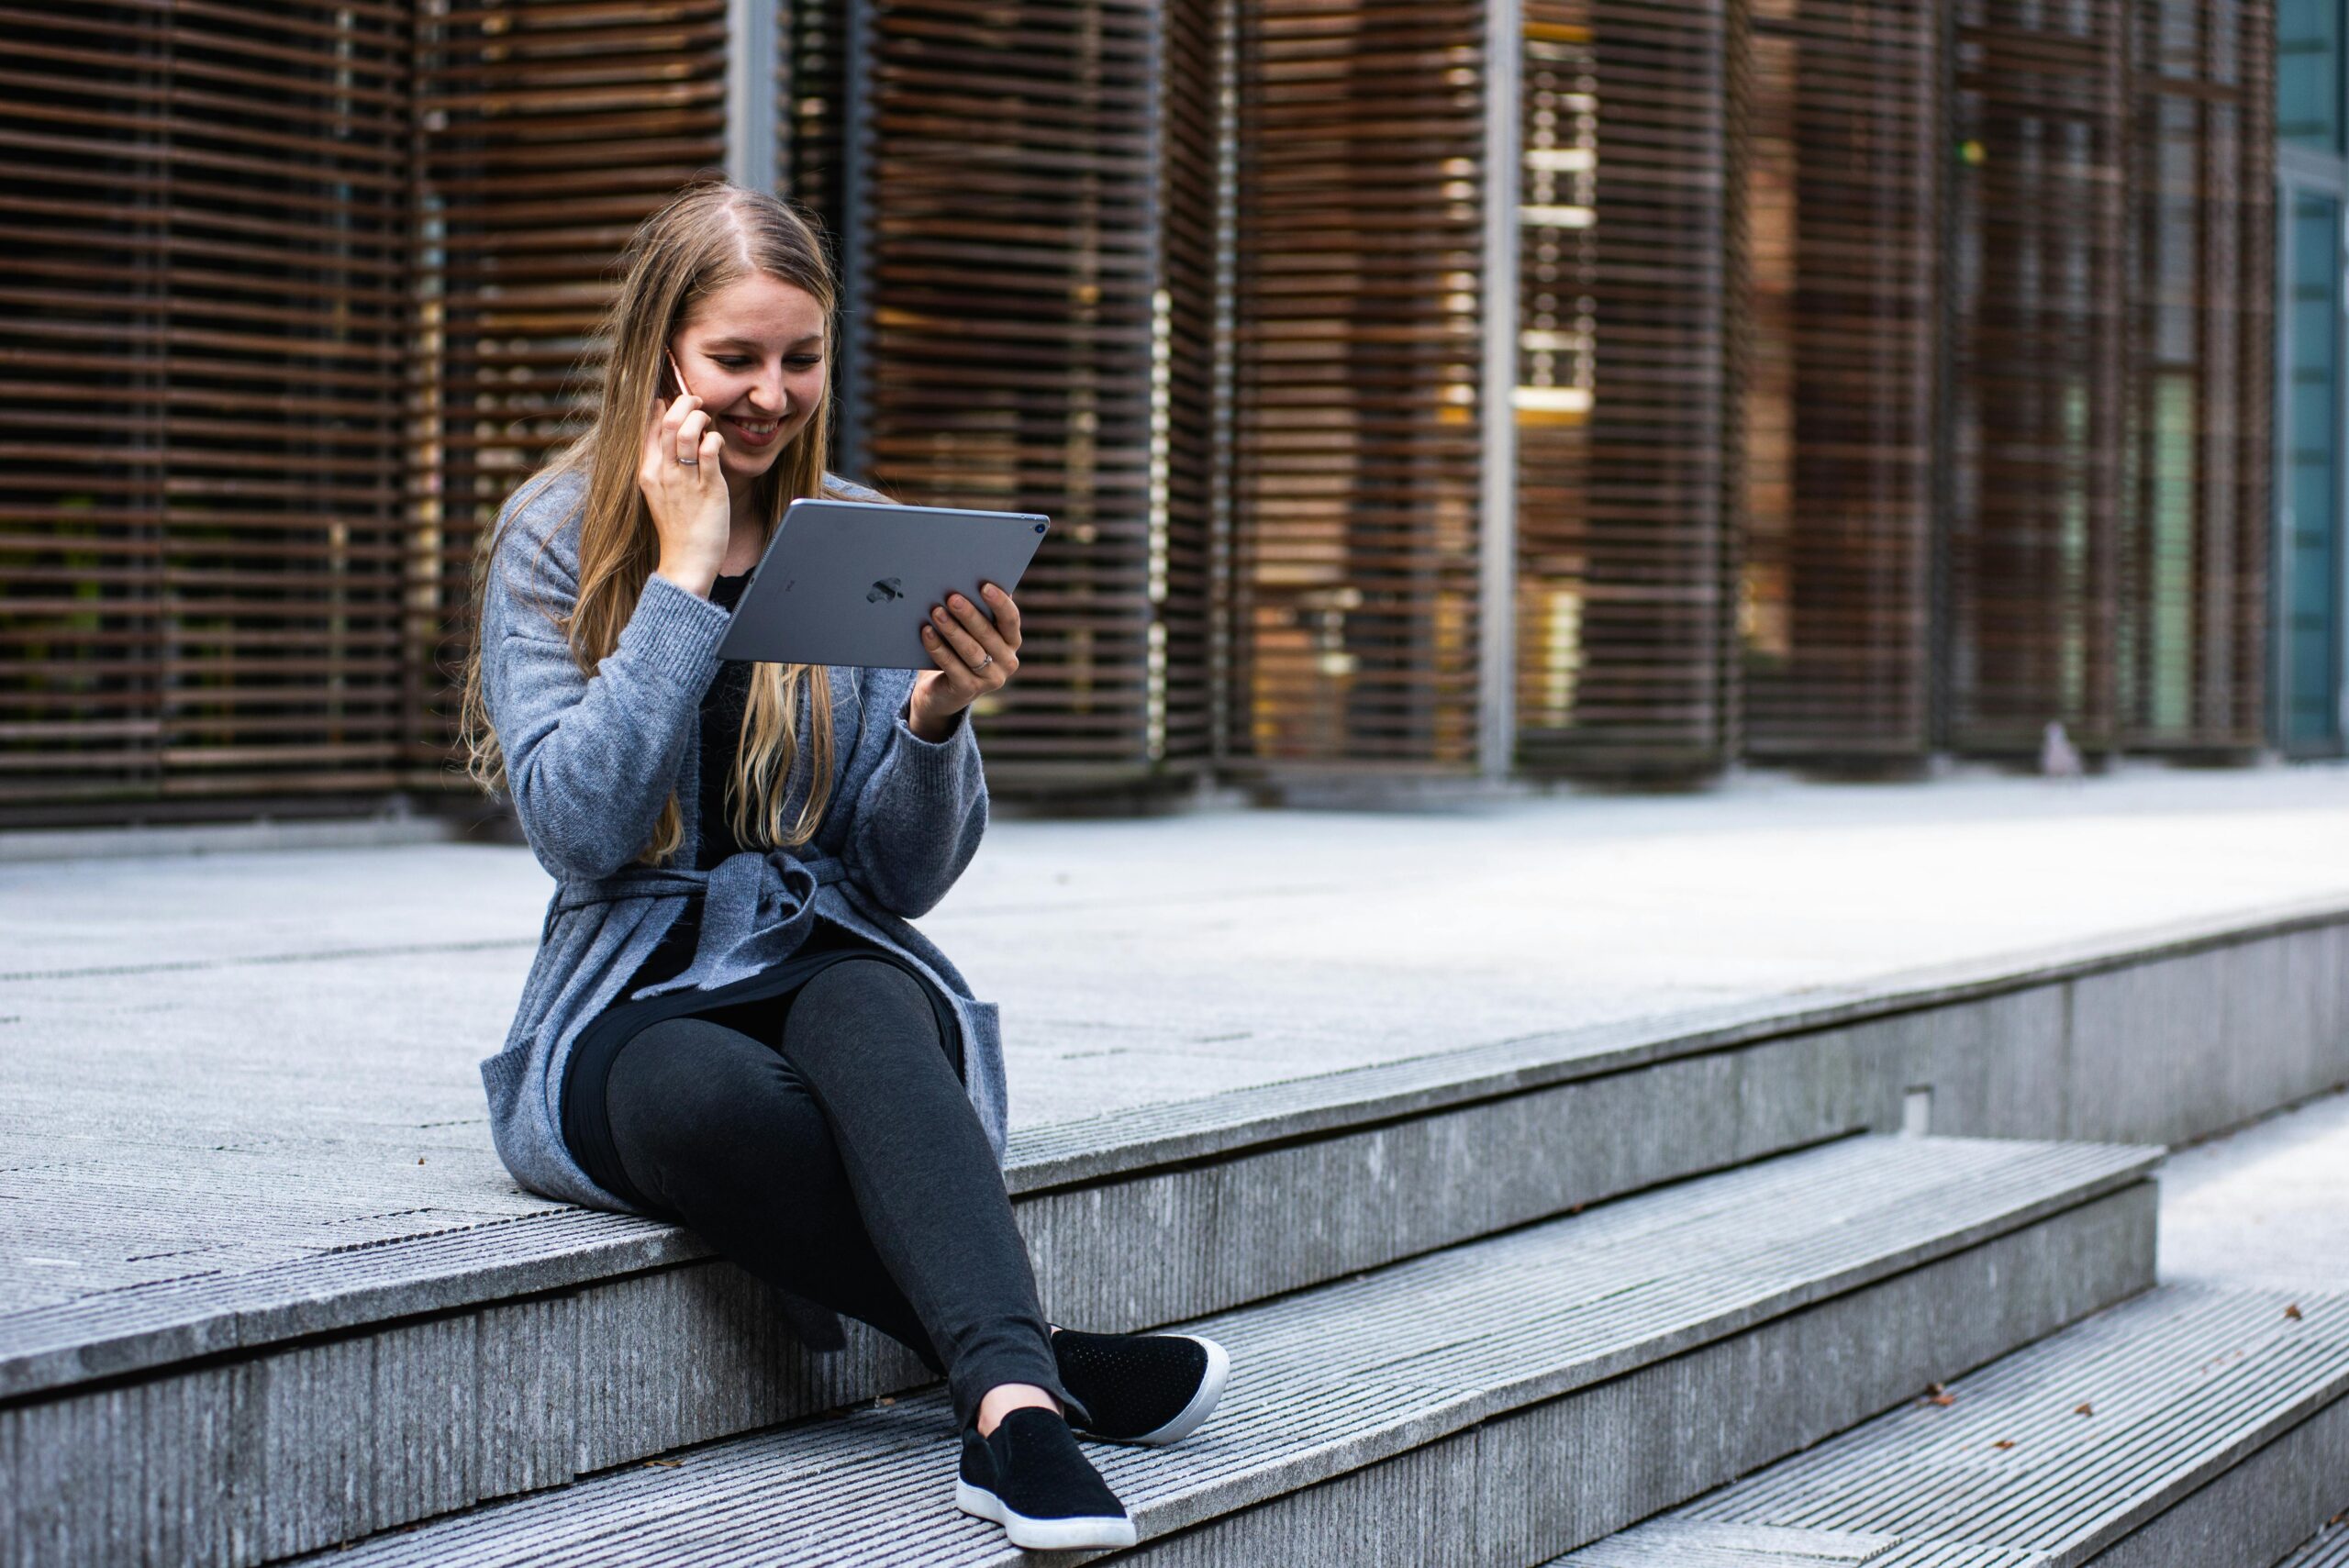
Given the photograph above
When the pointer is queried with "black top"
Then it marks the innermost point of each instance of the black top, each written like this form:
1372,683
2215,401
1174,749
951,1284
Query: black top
721,739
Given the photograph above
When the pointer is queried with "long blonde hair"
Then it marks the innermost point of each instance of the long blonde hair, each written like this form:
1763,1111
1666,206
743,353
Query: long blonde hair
709,236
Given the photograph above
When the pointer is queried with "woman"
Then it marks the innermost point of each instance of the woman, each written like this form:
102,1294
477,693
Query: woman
730,1022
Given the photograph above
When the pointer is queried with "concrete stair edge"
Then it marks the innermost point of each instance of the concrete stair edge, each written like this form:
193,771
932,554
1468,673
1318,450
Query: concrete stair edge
2216,1430
1895,1259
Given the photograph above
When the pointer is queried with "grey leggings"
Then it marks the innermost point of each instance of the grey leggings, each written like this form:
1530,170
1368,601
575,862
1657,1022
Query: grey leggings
823,1140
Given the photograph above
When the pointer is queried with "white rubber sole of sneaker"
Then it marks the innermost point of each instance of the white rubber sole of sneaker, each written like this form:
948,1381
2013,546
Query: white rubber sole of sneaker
1044,1535
1186,1421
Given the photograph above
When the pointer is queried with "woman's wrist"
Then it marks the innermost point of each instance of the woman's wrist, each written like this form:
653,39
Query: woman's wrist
925,727
694,577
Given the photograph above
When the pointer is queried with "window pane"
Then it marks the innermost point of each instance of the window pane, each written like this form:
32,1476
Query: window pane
2308,74
2311,560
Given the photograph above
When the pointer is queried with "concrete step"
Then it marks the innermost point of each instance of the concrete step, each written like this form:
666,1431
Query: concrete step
2329,1548
1492,1403
2195,1427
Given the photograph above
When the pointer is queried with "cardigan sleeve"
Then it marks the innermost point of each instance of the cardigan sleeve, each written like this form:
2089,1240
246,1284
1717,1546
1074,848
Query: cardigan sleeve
590,758
921,814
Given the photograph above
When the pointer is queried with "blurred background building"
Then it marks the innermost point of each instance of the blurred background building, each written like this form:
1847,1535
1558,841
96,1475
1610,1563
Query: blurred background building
1423,389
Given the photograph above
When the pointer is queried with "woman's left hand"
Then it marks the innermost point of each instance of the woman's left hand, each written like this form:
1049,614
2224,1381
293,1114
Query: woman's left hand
974,654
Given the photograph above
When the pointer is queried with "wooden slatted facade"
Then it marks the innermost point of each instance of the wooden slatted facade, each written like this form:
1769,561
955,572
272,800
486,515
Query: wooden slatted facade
1892,376
2031,614
1033,264
203,259
548,130
2201,351
1357,433
1843,161
1624,276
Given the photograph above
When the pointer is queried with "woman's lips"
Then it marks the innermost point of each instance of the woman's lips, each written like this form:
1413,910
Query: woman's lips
748,436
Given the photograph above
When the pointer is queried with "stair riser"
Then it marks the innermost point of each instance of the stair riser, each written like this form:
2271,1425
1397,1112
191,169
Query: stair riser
1259,1225
2254,1515
2163,1050
1528,1486
248,1461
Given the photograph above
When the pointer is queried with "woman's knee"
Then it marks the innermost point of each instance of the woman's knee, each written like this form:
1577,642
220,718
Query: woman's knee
865,983
688,1083
861,1002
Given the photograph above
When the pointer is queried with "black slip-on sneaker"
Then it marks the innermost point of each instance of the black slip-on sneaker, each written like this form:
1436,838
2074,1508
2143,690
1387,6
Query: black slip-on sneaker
1140,1388
1029,1476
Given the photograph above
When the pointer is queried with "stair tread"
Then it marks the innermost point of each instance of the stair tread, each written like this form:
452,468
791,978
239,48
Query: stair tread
2178,1385
2329,1548
1345,1374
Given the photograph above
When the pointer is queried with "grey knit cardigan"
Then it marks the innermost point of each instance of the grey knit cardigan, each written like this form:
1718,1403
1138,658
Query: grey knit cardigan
590,760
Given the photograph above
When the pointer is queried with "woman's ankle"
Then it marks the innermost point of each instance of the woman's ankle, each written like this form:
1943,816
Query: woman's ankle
1005,1397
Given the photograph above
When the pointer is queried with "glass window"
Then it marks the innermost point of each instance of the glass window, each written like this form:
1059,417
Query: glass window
2308,74
2310,600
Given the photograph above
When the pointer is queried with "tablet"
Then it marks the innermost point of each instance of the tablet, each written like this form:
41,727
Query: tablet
852,582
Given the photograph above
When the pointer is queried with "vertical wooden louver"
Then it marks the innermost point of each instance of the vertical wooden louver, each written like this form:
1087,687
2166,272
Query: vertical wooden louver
812,106
1842,165
2202,257
1622,279
1033,201
2034,571
203,261
811,89
1357,430
550,128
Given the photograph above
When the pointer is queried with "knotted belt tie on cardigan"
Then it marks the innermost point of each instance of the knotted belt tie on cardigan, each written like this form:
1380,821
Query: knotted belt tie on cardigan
756,909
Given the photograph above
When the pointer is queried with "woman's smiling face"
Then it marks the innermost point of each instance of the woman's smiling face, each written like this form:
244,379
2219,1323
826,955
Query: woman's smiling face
754,355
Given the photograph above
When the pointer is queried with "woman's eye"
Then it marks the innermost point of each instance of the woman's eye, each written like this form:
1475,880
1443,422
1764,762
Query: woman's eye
734,364
809,362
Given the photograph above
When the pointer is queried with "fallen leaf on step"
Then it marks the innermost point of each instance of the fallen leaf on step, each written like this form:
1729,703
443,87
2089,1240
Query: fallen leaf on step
2084,1409
2004,1443
2293,1312
1936,1395
663,1464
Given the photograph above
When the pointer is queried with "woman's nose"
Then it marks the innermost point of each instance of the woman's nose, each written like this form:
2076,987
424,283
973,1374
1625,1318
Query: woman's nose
771,395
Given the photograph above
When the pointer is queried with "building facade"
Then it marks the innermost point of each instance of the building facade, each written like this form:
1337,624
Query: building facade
1423,390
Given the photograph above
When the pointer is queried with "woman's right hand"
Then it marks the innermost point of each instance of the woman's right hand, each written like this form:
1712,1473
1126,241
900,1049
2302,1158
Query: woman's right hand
686,489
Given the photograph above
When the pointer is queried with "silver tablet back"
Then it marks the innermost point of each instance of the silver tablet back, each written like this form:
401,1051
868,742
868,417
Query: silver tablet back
851,582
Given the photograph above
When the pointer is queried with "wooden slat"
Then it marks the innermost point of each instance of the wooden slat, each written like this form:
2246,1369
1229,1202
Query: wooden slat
2201,224
203,477
1623,276
1356,429
2033,568
1035,288
1841,187
549,129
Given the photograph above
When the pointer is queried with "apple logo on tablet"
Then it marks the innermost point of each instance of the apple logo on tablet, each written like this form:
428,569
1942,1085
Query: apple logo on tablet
887,588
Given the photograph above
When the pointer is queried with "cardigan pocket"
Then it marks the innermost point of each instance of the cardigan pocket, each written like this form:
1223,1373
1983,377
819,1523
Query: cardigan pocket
501,1077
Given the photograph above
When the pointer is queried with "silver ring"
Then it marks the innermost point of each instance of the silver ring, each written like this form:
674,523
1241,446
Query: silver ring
984,663
690,462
